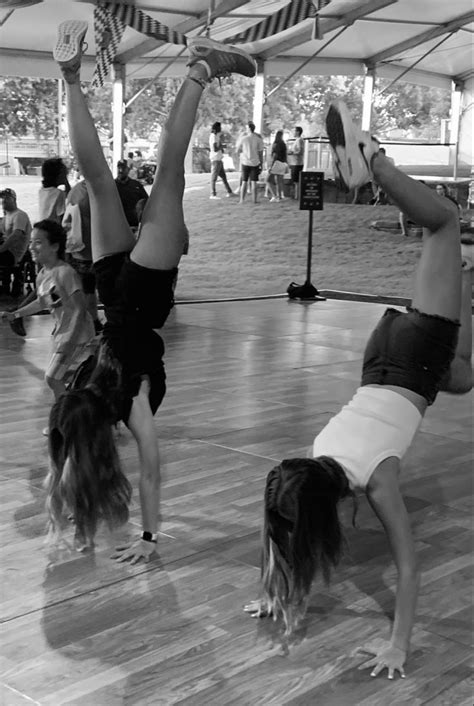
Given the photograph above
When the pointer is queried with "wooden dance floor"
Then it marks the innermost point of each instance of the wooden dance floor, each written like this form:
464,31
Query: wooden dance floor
249,383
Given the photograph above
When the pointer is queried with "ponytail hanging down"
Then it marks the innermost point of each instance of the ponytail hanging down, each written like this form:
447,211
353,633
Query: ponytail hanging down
85,478
302,534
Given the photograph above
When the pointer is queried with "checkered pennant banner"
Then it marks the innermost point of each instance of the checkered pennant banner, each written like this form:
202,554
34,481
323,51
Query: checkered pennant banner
292,14
108,31
110,20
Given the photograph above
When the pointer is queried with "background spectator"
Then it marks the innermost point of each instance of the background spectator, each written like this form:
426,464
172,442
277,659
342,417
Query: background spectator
296,159
52,199
14,239
130,192
278,166
216,155
251,150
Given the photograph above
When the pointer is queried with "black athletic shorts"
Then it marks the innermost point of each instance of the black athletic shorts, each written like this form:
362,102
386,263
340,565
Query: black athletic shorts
411,350
130,292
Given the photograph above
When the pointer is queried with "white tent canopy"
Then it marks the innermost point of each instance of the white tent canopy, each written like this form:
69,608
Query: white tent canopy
390,35
426,42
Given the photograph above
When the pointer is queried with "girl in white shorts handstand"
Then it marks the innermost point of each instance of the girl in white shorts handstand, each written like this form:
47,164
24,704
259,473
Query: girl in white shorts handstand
409,358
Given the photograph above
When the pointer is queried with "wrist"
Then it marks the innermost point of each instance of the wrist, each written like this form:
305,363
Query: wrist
149,537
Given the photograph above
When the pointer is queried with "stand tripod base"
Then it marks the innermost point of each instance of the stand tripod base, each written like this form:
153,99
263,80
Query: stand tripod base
304,291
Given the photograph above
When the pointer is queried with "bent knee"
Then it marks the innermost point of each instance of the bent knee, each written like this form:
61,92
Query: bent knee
459,380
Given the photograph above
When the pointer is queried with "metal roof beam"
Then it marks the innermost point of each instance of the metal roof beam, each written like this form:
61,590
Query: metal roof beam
306,33
418,39
184,27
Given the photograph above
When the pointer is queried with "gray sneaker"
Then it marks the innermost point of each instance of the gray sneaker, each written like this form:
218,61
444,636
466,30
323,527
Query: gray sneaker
220,59
70,46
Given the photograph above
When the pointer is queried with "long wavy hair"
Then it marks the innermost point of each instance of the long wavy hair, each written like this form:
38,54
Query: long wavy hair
302,533
85,479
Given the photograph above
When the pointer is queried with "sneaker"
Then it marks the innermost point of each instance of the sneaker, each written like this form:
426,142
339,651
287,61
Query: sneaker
70,45
351,148
18,327
229,194
274,199
213,197
220,59
45,431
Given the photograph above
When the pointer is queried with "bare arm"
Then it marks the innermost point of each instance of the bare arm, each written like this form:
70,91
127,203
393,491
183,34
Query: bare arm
29,309
17,234
143,429
384,496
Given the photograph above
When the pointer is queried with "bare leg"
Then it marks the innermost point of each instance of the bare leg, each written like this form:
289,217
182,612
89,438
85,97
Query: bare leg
253,187
163,231
437,286
243,191
403,223
269,186
280,186
109,228
459,380
441,287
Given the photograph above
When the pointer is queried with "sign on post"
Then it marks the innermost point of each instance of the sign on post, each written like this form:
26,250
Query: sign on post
311,191
311,199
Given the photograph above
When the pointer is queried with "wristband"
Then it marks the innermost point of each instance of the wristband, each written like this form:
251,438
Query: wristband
149,537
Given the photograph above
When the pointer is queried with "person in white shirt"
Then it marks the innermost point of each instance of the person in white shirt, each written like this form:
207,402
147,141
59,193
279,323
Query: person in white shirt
296,159
15,233
216,154
52,199
251,157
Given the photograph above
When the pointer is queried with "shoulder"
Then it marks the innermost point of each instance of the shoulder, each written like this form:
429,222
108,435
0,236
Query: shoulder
20,219
66,276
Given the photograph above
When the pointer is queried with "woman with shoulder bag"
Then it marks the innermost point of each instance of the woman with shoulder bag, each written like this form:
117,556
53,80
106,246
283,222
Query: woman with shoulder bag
278,167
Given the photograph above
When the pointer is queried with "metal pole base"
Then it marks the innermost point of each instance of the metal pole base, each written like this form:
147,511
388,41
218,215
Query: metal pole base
304,291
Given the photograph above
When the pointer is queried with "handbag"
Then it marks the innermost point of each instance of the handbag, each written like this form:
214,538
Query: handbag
278,168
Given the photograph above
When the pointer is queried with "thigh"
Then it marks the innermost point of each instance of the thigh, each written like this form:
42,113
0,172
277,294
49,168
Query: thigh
215,169
245,172
253,173
437,286
162,230
110,232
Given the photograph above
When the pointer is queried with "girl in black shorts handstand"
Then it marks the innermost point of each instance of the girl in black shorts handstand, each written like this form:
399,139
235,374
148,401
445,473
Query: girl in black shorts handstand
135,283
408,359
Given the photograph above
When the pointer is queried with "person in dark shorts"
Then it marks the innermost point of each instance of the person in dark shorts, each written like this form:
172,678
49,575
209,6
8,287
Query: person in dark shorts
409,358
126,379
296,159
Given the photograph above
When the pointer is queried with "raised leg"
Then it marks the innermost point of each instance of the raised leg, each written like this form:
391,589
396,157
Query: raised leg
163,231
437,285
110,231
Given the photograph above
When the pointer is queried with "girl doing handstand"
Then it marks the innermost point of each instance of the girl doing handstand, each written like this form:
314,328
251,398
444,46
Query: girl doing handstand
135,284
409,358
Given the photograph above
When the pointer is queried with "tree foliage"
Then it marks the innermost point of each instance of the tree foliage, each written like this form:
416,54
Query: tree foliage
29,106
